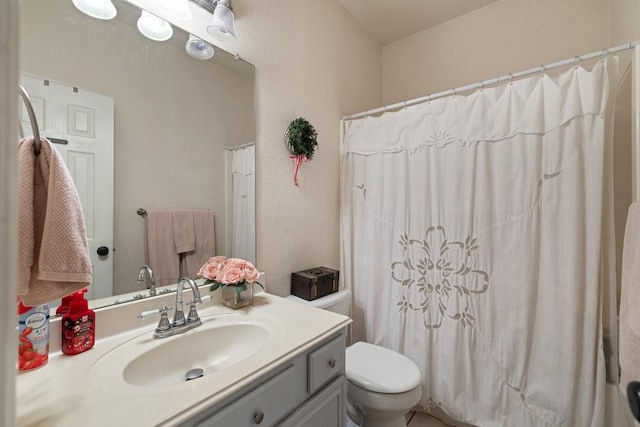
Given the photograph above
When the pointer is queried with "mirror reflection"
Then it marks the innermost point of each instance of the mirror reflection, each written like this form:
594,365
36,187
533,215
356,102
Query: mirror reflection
182,130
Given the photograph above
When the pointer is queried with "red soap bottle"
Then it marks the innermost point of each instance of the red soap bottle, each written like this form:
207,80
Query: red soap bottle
78,326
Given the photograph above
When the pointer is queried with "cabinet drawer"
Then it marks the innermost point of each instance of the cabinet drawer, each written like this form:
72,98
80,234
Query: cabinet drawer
263,406
326,363
325,409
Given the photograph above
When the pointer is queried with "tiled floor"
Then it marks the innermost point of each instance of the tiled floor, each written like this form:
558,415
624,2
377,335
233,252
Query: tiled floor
421,419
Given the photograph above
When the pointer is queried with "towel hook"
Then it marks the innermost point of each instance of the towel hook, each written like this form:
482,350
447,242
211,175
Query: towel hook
32,118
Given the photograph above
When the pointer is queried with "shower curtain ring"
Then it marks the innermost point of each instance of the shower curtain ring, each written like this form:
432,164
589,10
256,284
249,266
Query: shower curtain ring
576,60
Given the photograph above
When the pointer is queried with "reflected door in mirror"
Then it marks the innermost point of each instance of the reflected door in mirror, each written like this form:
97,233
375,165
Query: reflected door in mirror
81,124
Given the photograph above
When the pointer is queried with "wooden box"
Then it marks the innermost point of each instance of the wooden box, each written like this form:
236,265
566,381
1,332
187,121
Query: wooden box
314,283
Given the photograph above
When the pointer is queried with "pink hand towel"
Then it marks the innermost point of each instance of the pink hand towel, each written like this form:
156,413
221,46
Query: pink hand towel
53,250
184,232
204,223
161,248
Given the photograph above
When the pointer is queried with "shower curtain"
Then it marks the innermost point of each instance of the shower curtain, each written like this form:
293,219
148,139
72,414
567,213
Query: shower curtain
478,241
243,200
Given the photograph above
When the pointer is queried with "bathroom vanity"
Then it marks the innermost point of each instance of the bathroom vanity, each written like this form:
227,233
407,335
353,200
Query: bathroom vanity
309,390
273,363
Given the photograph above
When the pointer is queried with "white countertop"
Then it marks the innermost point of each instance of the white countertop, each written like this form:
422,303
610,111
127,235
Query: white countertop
64,393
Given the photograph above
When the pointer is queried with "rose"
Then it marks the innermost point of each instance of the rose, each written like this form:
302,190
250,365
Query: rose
211,268
251,273
230,275
237,262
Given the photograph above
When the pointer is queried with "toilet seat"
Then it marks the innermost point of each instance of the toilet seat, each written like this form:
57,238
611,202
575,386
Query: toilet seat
379,369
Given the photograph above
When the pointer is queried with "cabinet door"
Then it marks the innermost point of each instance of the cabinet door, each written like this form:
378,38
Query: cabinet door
325,363
326,409
263,406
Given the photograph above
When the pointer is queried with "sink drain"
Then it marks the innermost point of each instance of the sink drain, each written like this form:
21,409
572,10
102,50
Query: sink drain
193,374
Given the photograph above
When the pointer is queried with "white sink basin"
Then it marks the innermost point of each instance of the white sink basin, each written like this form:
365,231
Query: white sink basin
218,347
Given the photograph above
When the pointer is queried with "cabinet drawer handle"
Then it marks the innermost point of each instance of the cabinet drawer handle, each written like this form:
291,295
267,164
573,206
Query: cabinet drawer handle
332,363
258,417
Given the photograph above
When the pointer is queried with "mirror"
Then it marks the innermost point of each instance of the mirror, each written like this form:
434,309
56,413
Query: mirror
177,119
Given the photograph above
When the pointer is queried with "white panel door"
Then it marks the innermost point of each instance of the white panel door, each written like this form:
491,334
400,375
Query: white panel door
81,126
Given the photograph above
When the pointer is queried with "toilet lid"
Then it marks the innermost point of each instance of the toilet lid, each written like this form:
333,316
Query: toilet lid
379,369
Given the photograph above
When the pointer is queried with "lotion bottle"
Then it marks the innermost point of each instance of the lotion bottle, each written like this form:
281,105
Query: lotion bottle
78,326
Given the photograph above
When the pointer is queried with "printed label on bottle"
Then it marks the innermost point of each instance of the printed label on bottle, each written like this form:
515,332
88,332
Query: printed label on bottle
77,335
33,338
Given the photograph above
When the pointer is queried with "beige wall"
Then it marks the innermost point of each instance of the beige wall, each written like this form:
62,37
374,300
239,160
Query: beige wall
312,60
504,37
625,23
174,116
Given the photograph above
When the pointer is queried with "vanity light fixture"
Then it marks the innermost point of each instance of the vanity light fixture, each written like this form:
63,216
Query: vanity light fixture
198,48
222,22
99,9
178,9
153,27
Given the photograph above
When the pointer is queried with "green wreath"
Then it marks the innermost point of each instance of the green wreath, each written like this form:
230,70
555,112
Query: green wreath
302,138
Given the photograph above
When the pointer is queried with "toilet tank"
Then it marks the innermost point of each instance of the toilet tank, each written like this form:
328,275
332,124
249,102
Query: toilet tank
337,302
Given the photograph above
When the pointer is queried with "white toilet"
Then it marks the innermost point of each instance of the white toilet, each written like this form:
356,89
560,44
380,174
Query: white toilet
383,385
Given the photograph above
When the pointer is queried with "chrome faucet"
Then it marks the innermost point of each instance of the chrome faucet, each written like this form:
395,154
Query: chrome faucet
178,316
152,284
180,324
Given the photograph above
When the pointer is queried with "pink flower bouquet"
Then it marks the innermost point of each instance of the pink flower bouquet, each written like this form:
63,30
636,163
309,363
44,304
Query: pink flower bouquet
223,271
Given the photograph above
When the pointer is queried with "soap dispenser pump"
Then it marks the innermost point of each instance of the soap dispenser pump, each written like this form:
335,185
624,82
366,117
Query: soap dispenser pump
66,301
78,326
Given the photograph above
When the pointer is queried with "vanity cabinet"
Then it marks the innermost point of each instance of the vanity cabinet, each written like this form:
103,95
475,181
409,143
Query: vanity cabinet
308,389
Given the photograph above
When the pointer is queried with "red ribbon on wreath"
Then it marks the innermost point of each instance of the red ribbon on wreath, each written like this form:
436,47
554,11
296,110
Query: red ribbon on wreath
298,160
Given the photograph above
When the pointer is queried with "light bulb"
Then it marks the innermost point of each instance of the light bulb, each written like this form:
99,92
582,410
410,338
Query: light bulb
99,9
222,22
199,48
153,27
178,9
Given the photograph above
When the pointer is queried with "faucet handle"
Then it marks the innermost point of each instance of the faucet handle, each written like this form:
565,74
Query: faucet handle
150,313
201,300
193,314
163,325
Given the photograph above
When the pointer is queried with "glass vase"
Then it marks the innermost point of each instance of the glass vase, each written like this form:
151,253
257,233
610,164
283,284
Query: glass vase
237,296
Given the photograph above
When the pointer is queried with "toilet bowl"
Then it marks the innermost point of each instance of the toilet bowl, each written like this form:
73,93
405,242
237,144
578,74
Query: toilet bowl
382,385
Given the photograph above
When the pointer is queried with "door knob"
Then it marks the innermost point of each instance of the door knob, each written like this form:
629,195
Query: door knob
258,417
103,251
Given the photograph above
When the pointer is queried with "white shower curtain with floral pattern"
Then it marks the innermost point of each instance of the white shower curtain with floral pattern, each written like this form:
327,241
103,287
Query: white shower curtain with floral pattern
475,242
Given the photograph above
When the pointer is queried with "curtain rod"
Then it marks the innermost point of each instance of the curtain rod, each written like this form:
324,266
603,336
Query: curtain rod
494,81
